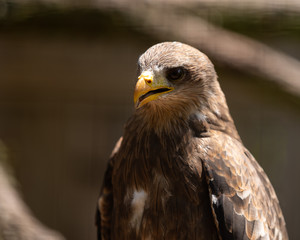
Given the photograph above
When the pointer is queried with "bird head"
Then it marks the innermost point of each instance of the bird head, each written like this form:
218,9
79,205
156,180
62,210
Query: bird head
174,75
177,83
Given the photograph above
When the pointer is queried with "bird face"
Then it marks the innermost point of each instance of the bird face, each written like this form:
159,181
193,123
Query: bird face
152,84
171,72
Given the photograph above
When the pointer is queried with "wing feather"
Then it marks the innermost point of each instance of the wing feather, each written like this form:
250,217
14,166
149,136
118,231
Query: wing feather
105,201
243,200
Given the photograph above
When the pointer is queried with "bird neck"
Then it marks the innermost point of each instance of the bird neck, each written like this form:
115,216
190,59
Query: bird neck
167,125
149,143
206,121
213,111
148,150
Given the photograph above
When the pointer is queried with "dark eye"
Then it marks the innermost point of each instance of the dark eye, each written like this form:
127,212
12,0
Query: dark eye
174,73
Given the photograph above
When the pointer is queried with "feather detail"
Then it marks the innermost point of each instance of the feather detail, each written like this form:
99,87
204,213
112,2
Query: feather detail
181,170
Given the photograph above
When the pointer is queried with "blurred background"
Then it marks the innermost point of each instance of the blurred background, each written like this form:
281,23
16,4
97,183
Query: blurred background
67,74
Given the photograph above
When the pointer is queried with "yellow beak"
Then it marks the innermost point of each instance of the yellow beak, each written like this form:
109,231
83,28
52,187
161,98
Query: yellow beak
148,89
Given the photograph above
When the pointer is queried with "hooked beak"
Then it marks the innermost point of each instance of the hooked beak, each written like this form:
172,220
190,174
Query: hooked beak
148,88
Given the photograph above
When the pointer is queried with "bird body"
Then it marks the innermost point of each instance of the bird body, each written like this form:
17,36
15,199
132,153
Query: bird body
159,194
180,171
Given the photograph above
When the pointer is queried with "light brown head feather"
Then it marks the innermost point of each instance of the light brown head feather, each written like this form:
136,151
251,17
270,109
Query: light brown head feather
198,92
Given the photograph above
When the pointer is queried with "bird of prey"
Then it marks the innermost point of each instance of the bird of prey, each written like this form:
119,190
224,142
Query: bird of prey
181,171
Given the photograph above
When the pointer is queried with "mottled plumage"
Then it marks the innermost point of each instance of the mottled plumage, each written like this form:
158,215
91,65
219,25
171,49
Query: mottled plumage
181,171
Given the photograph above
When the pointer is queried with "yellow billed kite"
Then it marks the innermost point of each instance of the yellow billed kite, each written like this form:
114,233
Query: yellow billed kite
181,171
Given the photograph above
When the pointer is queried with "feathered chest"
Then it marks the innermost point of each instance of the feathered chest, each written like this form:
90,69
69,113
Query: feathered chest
158,189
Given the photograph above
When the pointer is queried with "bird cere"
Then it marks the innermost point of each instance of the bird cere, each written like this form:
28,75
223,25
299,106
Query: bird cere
181,171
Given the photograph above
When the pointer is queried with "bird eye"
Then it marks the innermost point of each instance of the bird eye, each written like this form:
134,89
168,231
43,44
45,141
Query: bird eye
174,73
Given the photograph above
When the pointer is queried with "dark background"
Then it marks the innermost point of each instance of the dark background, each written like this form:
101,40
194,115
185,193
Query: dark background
66,90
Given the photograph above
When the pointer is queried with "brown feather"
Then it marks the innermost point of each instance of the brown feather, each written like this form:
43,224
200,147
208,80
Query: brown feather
181,171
